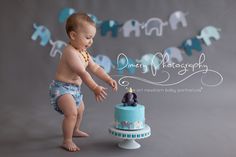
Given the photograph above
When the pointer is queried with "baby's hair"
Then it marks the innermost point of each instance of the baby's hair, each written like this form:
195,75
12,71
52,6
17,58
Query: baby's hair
77,20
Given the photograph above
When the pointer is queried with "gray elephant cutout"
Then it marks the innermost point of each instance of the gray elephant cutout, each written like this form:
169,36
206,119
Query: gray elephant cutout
110,26
173,53
57,47
132,26
154,24
209,32
125,64
41,32
105,62
149,60
177,18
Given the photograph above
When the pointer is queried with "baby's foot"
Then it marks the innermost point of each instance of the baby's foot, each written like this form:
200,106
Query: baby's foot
78,133
70,146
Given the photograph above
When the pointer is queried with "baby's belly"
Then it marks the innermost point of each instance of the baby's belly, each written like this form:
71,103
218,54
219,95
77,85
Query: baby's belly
72,79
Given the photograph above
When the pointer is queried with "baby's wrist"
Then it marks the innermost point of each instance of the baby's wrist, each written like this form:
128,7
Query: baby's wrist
94,87
108,79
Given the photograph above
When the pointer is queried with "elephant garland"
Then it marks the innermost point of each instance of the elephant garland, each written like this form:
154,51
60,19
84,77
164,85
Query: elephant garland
41,32
176,18
173,53
65,13
149,60
208,33
57,47
95,19
131,26
110,26
104,61
125,64
154,24
191,44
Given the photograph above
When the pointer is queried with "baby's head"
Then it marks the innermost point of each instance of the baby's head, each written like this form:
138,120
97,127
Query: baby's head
81,30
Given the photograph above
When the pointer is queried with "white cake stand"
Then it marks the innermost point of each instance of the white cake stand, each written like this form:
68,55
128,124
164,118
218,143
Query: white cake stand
129,136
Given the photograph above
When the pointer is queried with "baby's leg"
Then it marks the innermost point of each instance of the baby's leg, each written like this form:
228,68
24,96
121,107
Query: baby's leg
77,131
68,106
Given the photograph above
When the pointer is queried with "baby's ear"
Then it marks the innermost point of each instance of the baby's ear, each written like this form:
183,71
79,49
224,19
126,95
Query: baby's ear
72,35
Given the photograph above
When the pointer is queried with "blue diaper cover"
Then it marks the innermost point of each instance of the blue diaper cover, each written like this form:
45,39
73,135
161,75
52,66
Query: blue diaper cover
58,88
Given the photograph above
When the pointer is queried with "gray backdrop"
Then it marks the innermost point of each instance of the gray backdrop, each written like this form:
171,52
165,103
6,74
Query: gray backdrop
183,124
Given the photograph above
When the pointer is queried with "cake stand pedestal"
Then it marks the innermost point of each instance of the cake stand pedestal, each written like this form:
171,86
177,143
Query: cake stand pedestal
129,136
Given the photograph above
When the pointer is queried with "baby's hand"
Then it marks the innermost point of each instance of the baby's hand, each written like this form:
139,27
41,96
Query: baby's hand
100,93
113,84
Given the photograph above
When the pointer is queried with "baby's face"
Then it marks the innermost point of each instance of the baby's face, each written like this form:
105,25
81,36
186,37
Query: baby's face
85,35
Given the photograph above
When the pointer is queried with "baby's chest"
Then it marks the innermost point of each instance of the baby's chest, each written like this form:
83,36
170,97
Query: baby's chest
84,59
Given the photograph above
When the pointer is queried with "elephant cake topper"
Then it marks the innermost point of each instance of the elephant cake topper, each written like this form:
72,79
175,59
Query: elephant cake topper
130,98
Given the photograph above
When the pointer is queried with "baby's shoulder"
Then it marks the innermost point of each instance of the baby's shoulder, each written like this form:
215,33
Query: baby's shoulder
68,51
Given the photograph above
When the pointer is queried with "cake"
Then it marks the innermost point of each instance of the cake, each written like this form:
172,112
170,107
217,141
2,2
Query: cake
129,115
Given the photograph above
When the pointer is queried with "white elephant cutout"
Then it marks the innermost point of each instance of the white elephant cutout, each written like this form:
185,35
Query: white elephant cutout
132,26
173,53
176,18
57,47
209,32
154,24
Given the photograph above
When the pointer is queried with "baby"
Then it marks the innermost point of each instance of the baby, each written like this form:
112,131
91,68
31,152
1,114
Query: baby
65,95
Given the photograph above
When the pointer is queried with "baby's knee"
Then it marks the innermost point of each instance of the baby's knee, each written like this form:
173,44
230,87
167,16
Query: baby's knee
71,115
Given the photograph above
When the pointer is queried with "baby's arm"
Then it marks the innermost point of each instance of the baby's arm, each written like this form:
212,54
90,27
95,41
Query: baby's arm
75,63
100,73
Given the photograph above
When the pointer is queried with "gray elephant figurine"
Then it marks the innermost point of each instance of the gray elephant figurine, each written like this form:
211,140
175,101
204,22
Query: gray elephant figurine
154,24
173,53
176,18
104,61
41,32
191,44
130,98
149,60
208,33
132,26
110,26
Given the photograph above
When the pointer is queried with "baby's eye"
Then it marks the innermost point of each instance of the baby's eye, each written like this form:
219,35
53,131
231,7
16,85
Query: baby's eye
88,37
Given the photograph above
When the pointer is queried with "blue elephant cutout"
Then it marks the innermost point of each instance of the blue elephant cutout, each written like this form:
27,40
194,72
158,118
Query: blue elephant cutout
125,64
110,26
95,19
209,32
57,47
105,62
191,44
173,53
41,32
65,13
149,60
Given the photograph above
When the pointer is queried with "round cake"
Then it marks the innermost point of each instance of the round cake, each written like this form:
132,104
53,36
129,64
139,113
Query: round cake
129,117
